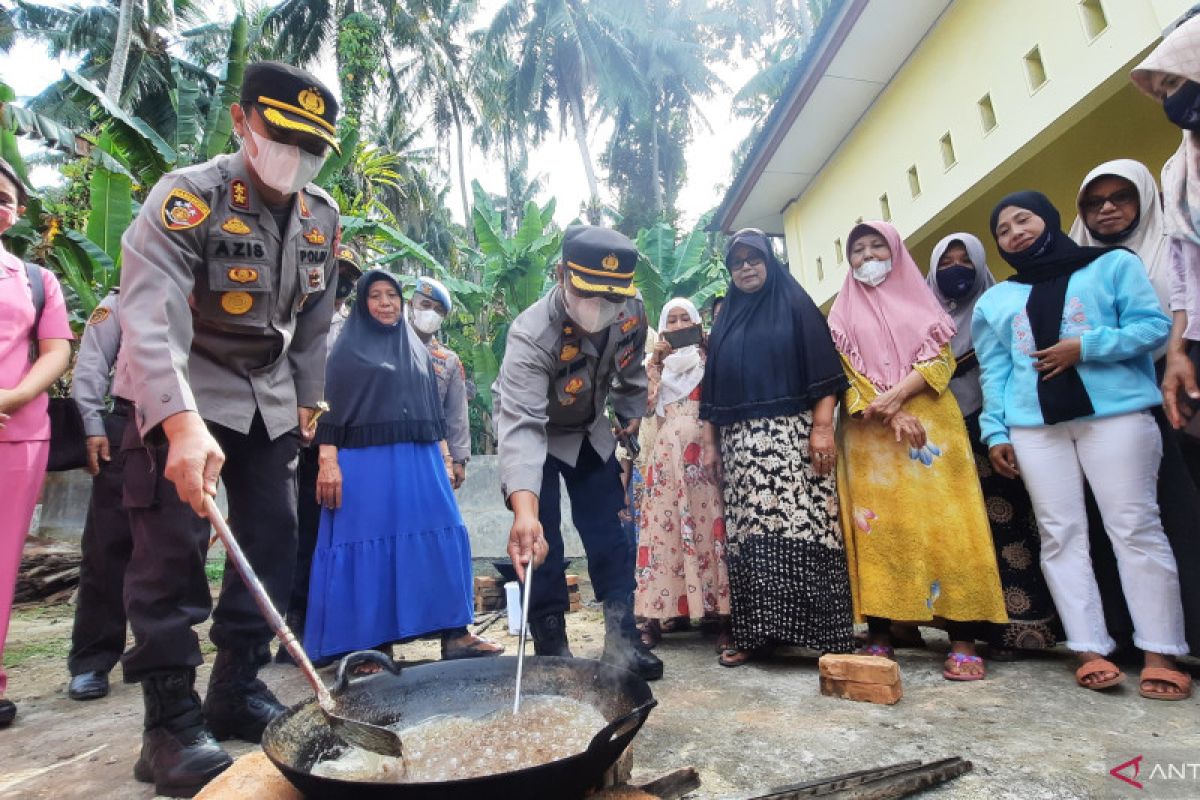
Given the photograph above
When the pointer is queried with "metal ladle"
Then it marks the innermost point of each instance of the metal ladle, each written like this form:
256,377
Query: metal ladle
524,634
374,738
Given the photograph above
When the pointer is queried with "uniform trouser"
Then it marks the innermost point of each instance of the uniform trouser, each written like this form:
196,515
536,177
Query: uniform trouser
98,637
597,498
166,591
1119,456
22,470
308,514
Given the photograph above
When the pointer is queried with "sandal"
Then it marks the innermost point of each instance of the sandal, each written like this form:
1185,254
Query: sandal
725,641
675,625
1095,667
951,671
733,657
1179,680
650,633
477,647
880,650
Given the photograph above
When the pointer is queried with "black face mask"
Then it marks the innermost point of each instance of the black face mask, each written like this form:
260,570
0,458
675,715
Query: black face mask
1183,106
345,286
956,281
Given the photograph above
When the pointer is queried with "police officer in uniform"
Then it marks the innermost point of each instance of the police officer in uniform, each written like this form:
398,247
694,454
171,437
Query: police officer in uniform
308,510
430,304
567,355
227,292
98,636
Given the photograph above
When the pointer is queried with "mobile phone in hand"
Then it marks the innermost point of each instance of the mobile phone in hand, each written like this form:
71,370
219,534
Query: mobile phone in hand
683,337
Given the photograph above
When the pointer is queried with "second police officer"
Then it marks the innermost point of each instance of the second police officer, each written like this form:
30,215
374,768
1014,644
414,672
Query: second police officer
567,356
227,291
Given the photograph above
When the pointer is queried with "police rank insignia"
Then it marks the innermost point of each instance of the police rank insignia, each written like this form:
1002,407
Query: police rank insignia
235,226
182,210
629,324
242,274
239,195
315,236
573,386
610,262
237,303
99,315
304,212
568,352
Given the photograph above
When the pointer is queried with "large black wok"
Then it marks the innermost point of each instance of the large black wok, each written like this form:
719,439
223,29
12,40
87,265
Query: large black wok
300,737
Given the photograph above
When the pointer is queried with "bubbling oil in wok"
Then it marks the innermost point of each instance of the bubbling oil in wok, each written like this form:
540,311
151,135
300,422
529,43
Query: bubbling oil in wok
450,747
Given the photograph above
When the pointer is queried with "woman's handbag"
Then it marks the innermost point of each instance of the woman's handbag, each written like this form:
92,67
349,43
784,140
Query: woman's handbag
68,441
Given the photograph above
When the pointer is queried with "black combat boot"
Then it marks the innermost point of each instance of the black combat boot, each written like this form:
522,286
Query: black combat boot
550,635
179,756
623,646
238,705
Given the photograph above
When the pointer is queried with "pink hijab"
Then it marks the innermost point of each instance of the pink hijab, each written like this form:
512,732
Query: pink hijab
882,331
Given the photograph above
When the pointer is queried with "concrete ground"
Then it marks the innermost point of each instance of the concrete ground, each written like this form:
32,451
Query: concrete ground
1029,730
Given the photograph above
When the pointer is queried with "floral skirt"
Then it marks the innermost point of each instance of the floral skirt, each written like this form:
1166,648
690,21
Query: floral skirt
787,561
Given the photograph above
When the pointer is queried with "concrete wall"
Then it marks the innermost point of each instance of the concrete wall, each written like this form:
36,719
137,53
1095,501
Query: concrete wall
980,49
65,501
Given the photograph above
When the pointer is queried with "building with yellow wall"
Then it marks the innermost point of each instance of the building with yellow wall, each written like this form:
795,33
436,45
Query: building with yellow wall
927,112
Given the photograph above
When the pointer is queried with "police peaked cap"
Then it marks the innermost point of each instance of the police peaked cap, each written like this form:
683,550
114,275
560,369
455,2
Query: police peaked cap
599,261
349,262
292,99
434,290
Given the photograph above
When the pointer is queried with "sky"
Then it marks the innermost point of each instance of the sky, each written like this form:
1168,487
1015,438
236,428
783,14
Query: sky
29,69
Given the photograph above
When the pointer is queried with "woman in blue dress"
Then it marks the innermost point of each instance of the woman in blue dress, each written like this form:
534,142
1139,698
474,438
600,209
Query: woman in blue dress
393,561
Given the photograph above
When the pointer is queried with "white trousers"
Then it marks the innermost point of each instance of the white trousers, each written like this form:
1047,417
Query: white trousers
1119,456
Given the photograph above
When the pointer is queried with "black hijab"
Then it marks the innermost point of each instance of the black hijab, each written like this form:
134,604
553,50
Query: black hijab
1047,266
770,353
379,381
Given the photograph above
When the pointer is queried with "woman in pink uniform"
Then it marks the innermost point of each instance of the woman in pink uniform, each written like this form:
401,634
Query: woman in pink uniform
24,426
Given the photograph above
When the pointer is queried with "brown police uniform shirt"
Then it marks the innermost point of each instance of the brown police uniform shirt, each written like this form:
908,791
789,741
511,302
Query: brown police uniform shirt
222,312
452,389
553,387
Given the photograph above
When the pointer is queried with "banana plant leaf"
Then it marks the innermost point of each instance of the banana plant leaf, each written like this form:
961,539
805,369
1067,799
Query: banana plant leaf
164,153
219,125
111,209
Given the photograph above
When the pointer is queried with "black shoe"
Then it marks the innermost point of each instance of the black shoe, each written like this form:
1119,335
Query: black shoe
550,635
88,685
623,644
238,705
8,712
179,756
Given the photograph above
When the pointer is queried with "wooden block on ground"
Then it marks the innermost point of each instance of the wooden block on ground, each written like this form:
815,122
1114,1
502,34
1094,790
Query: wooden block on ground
252,777
572,580
862,669
486,582
882,694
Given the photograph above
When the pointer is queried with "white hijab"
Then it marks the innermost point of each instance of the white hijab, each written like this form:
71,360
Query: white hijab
1149,238
684,368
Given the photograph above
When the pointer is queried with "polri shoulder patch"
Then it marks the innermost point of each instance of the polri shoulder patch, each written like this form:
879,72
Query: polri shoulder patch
99,315
182,210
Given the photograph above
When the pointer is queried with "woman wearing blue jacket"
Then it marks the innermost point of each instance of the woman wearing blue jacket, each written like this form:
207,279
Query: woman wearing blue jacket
1065,351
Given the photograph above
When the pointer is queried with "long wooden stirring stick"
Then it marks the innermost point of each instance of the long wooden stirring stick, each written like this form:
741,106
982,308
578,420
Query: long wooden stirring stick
524,634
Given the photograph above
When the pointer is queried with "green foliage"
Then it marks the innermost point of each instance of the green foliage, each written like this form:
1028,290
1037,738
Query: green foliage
219,125
111,195
678,265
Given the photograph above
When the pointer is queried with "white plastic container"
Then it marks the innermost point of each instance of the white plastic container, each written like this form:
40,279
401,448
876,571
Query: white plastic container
512,598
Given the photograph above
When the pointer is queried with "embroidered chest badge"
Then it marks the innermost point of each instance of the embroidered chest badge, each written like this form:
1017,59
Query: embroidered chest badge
568,352
629,324
237,303
573,386
235,226
242,274
183,210
316,278
315,236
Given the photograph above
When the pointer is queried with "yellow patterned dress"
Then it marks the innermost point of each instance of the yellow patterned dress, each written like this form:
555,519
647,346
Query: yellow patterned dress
918,542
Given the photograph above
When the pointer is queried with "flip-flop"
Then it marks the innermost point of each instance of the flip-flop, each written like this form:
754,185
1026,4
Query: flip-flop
733,657
478,648
1097,665
959,659
880,650
1179,680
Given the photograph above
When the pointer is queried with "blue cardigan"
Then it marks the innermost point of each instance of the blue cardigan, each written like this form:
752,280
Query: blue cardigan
1111,307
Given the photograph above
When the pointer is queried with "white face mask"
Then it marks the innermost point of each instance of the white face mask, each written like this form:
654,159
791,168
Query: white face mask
425,320
593,314
873,273
286,168
682,360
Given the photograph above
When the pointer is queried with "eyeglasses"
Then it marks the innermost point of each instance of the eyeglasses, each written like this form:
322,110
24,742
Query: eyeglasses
1125,197
752,261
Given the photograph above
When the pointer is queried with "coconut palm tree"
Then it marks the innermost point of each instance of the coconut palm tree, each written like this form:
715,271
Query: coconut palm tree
567,51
